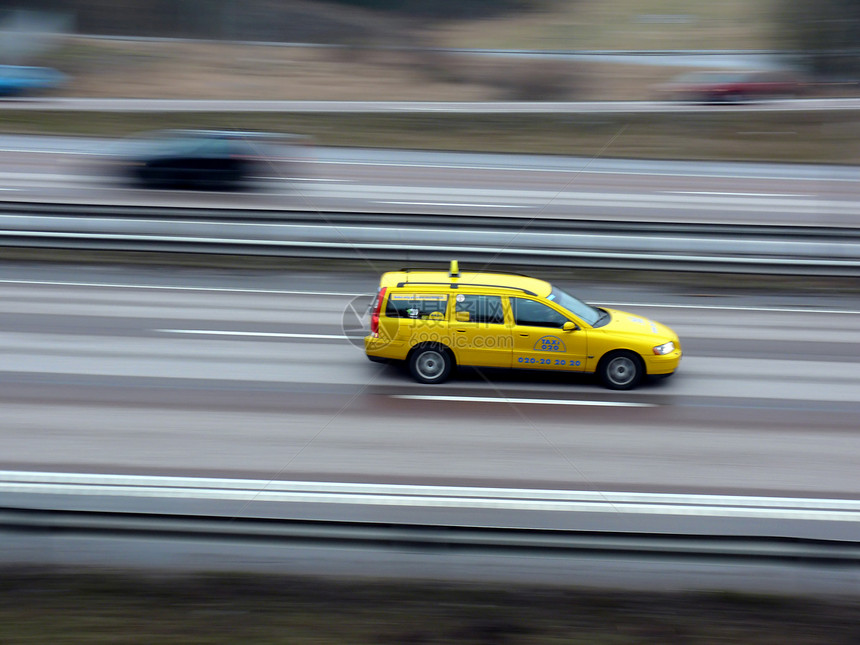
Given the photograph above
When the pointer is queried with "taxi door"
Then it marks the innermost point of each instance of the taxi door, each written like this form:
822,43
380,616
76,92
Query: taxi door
540,340
479,332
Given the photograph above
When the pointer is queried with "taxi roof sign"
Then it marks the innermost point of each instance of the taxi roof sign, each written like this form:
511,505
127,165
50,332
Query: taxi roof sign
455,269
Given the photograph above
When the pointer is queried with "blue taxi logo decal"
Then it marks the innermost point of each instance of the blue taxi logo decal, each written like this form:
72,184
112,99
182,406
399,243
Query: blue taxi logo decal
550,344
640,321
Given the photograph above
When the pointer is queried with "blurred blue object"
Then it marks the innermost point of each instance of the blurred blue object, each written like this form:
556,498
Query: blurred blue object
18,79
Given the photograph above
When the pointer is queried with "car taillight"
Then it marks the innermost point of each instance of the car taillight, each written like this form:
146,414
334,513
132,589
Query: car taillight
374,315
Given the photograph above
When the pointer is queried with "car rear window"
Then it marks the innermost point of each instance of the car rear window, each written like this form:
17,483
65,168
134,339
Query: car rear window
416,306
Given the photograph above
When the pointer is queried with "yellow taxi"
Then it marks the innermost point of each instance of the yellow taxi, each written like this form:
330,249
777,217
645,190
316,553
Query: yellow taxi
435,321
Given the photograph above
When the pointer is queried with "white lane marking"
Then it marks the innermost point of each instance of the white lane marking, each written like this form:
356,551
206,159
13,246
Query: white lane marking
317,179
580,170
720,192
499,399
782,310
343,294
261,334
450,204
429,496
633,200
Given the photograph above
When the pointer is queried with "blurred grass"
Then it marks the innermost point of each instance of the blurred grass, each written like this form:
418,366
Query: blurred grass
622,25
411,70
812,137
210,610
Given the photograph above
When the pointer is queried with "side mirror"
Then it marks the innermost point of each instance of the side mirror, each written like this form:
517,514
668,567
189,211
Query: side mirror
569,326
462,316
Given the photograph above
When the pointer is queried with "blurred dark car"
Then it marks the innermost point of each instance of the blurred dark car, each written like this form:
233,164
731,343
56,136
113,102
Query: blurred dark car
208,159
733,87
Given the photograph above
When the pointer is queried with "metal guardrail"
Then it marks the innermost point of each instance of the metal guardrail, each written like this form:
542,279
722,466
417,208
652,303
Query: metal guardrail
450,532
450,539
604,107
797,250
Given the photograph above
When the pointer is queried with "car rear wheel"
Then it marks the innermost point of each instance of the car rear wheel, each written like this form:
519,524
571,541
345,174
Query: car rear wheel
430,364
621,371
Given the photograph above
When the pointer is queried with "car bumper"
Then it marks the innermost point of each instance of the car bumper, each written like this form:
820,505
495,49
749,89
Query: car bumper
666,364
383,349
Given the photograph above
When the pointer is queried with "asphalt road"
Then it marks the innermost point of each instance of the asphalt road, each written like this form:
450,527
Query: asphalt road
243,394
356,180
241,375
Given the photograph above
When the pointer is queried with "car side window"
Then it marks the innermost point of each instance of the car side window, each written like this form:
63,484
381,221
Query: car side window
479,309
536,314
215,148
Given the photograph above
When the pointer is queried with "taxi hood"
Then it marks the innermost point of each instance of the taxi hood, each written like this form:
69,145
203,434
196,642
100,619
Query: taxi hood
624,322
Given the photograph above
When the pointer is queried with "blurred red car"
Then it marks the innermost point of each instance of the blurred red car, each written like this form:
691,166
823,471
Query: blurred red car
733,87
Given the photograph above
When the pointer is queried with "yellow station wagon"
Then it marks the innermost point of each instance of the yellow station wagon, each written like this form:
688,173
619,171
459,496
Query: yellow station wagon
435,321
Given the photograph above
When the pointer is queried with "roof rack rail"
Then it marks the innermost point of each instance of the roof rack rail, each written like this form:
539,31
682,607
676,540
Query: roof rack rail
457,285
434,269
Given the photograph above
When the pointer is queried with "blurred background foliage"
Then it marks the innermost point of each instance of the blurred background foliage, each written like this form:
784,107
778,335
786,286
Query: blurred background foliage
825,33
449,9
822,36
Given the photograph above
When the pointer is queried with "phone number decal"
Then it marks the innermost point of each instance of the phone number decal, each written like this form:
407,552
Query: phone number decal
547,361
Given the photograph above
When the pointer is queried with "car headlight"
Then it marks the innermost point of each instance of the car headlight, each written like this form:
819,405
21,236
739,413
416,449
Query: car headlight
665,348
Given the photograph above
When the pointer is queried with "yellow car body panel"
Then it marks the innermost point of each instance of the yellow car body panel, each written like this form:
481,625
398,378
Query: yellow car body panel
627,331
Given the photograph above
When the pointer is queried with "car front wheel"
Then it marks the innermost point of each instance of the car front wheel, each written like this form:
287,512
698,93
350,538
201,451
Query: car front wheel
621,371
430,364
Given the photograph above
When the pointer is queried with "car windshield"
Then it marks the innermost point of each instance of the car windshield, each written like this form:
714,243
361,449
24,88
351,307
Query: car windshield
586,312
